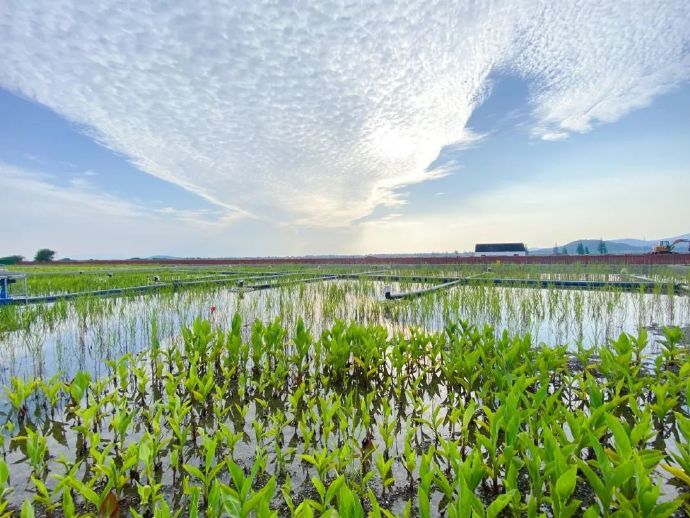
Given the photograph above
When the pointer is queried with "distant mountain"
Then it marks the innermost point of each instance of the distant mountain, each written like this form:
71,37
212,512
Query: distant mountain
614,246
650,243
682,236
638,243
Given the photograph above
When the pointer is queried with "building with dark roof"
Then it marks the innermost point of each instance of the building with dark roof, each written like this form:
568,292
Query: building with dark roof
498,249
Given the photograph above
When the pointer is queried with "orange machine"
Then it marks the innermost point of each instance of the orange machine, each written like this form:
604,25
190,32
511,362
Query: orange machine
666,247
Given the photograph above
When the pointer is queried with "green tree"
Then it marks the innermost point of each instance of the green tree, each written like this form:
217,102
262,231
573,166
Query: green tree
564,251
586,250
580,249
11,259
603,249
44,255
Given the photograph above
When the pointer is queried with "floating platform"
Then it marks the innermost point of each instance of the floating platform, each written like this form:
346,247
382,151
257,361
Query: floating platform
418,293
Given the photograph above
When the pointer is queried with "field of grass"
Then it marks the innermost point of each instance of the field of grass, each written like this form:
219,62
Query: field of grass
48,280
55,279
324,399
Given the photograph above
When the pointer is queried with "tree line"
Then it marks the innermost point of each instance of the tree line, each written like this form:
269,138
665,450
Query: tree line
581,249
44,255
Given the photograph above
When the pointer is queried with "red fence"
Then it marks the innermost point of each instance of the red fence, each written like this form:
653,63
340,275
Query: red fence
639,259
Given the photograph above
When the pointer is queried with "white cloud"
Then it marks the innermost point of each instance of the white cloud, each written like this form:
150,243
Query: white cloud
595,61
552,135
317,114
81,221
36,194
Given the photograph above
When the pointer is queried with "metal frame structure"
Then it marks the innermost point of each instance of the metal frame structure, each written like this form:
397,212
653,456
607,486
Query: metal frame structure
6,279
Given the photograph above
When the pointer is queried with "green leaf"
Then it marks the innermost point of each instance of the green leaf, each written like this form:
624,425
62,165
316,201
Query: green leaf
499,503
27,509
214,471
424,505
602,492
85,491
264,495
310,459
193,503
4,473
467,414
407,512
320,489
67,504
40,487
570,509
666,509
304,510
565,485
194,471
623,473
334,488
620,436
678,473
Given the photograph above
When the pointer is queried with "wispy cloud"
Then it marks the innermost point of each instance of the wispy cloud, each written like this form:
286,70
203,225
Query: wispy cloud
317,115
80,220
593,62
80,197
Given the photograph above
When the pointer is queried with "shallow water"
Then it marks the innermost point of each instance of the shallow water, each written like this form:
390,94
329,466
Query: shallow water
98,330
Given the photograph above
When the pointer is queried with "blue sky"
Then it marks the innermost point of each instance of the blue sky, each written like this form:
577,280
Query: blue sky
231,130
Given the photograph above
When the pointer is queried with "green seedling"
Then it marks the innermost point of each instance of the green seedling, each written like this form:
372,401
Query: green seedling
5,490
384,469
210,467
78,387
18,392
323,462
36,450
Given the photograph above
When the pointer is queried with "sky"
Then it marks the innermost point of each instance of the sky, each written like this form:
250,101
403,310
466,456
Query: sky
239,128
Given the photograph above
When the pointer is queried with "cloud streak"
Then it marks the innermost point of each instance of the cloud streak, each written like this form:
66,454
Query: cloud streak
80,198
81,221
315,115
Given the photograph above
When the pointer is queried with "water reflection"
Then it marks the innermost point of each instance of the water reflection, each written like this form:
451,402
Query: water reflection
89,333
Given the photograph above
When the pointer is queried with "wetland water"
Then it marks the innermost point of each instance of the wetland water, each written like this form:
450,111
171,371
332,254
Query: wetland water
292,420
86,334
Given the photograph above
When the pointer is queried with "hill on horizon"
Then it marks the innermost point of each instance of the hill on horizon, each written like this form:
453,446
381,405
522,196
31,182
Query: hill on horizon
615,246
